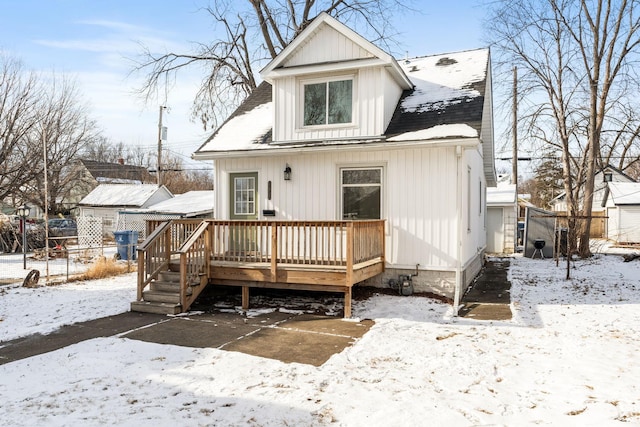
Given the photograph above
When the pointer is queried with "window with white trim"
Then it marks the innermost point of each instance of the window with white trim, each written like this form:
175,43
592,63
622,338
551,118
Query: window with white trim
328,102
244,201
361,190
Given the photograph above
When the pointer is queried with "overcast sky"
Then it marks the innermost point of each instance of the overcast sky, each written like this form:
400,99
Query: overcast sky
95,40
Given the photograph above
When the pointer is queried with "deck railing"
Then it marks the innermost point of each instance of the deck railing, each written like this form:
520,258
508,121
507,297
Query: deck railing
341,244
153,255
330,243
194,263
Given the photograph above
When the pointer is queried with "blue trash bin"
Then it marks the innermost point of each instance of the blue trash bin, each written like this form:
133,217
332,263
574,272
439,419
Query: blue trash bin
126,242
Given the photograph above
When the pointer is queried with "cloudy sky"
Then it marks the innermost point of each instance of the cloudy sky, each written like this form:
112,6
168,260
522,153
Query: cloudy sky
95,42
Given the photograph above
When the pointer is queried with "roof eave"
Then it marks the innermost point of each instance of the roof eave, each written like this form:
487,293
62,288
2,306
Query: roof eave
302,148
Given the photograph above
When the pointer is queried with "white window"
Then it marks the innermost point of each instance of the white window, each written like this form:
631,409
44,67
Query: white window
244,199
361,190
327,102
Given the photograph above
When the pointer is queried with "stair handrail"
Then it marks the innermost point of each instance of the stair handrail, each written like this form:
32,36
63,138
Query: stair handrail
195,254
145,263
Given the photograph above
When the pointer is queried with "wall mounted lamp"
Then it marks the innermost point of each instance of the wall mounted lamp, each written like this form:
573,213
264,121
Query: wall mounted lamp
287,173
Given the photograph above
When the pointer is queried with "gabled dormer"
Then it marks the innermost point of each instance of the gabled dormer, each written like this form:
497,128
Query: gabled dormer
330,83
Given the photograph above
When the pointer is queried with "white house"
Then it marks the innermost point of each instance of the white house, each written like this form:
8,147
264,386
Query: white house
603,177
622,203
106,200
339,129
502,217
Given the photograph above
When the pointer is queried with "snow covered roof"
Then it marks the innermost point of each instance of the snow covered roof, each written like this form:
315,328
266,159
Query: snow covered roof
447,102
503,194
625,193
191,203
448,90
133,195
445,97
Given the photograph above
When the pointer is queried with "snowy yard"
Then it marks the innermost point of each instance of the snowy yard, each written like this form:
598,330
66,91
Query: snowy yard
568,357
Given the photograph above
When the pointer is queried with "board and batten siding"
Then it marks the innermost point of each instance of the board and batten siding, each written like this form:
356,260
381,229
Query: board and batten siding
419,197
375,96
326,45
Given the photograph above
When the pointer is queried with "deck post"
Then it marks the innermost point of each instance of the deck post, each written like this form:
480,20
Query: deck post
141,273
347,303
274,252
183,281
245,297
167,245
349,278
383,243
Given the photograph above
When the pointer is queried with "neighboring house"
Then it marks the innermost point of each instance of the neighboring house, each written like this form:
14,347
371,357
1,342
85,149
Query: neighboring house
606,174
192,204
341,130
622,204
91,173
502,217
106,200
602,178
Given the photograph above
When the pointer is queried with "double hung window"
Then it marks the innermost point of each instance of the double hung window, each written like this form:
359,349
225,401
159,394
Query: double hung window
328,102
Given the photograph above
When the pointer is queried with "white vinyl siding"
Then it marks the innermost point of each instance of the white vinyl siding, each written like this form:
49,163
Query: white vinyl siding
418,200
316,51
375,96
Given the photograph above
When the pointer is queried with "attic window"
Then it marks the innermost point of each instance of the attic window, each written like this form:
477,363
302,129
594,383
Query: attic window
608,177
328,102
446,61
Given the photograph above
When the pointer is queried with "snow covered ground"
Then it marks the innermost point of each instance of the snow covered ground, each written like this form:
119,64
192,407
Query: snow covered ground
79,260
568,357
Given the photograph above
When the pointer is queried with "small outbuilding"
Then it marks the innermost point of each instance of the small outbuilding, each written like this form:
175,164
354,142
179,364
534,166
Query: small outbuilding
622,203
192,204
502,218
107,200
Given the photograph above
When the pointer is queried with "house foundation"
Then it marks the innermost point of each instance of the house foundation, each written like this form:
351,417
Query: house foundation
439,282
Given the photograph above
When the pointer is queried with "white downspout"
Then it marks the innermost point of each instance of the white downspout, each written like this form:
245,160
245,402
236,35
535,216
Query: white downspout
458,285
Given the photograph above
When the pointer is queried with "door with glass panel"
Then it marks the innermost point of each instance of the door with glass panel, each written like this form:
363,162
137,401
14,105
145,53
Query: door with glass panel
243,206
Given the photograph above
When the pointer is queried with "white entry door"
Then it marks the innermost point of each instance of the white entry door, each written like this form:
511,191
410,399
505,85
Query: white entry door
495,230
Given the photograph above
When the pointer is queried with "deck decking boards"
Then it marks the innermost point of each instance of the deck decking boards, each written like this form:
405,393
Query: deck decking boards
342,254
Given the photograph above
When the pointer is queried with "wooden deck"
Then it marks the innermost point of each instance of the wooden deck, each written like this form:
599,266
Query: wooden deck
302,255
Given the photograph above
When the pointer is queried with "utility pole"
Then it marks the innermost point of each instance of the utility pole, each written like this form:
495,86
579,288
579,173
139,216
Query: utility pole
514,162
159,168
514,130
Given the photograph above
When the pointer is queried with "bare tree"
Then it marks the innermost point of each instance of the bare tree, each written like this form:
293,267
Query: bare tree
64,126
255,31
103,150
577,55
20,93
179,179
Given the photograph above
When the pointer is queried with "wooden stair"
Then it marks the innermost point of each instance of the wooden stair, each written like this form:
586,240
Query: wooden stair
163,296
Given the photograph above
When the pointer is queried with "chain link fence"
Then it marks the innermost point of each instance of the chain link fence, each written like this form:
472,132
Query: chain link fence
66,256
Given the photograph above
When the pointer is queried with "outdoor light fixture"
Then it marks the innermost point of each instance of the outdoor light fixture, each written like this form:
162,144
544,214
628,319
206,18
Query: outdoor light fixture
287,173
23,213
